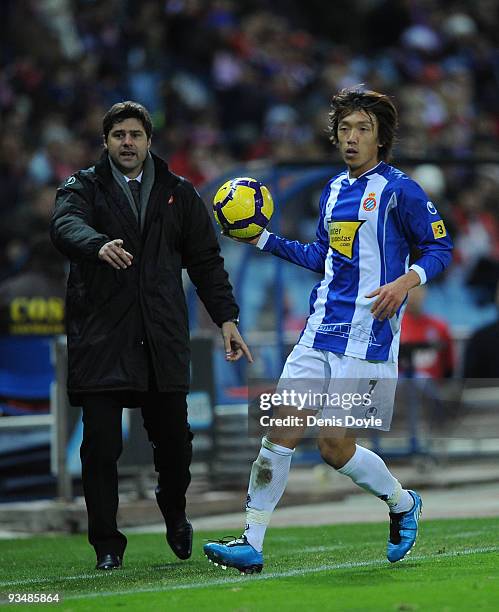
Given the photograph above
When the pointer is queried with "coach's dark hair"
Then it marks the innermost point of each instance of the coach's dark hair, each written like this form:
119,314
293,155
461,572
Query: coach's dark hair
126,110
373,103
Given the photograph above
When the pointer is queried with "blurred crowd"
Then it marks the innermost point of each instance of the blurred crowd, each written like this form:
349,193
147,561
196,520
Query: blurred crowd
229,81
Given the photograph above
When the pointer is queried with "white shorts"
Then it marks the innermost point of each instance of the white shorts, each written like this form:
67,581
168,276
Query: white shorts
351,392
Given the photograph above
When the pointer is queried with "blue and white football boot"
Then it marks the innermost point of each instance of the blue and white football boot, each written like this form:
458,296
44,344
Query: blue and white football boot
236,553
403,530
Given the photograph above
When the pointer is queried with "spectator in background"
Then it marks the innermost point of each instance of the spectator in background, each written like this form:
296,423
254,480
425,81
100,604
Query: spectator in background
32,313
33,217
24,224
13,163
426,347
478,241
480,360
32,301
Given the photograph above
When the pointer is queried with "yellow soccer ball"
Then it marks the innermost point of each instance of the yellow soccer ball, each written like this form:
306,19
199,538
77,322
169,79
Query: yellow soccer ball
243,207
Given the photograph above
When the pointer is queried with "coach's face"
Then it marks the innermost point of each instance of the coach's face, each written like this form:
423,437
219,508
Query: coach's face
358,141
128,145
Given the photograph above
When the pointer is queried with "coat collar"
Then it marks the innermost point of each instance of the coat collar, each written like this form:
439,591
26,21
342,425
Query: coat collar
164,180
104,173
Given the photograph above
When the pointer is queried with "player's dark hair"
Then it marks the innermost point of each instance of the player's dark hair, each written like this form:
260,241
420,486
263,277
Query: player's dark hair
126,110
373,103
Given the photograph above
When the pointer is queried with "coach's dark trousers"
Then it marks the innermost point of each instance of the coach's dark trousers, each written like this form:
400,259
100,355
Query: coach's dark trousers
165,420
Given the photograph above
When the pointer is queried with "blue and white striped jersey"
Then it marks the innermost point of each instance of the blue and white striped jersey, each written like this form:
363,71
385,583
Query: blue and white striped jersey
366,229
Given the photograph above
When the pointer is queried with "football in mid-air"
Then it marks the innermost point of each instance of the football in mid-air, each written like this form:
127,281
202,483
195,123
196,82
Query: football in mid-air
243,207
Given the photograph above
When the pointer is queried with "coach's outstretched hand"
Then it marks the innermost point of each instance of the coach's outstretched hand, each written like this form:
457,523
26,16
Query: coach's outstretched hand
235,346
115,255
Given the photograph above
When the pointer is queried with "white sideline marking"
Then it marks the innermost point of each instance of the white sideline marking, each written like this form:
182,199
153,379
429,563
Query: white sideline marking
62,578
465,534
239,579
314,549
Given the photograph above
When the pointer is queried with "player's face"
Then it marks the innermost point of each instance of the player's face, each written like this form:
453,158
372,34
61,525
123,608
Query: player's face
128,145
358,141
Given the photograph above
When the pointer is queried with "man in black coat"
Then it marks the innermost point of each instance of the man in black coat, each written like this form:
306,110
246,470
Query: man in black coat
129,226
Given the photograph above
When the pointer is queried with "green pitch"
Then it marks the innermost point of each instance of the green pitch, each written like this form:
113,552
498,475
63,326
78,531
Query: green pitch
454,567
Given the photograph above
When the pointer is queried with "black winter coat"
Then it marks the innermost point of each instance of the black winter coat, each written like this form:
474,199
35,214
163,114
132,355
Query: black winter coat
113,315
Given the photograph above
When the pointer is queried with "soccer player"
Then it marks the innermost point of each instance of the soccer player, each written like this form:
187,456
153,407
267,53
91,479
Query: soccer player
371,216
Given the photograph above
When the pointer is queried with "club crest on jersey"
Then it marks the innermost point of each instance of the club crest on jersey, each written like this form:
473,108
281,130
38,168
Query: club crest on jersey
369,203
342,236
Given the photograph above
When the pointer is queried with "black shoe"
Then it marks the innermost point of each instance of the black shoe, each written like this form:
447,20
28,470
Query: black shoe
108,561
179,537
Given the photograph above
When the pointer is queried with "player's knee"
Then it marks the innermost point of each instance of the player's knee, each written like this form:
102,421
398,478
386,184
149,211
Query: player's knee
287,440
336,451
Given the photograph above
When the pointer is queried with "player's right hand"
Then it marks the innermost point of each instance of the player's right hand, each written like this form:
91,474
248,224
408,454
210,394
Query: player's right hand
246,240
115,255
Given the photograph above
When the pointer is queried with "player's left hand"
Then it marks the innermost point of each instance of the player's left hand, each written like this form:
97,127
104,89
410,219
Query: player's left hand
235,346
253,240
390,297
